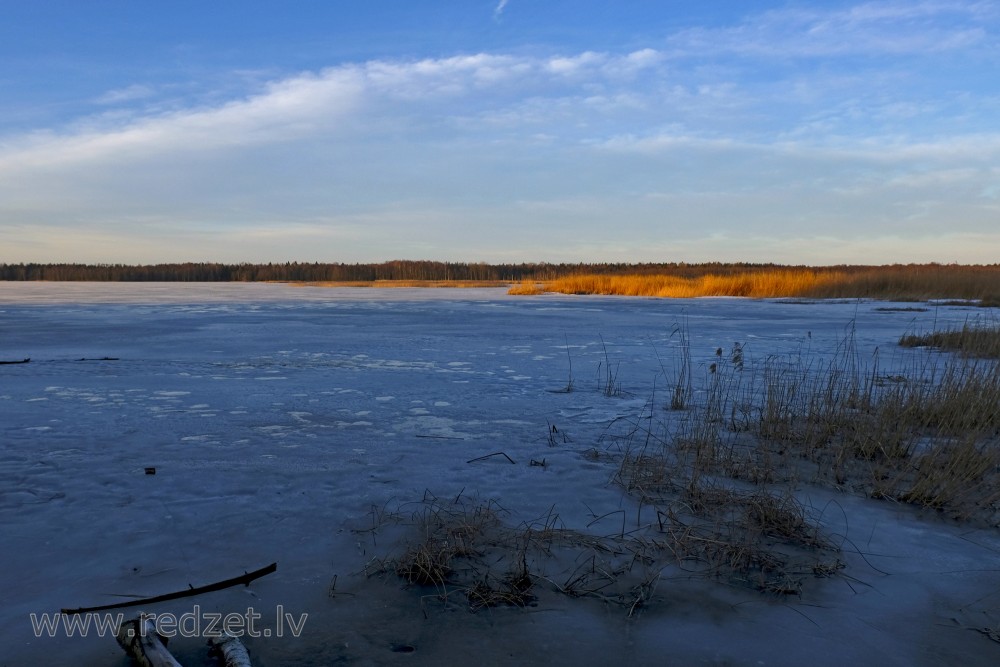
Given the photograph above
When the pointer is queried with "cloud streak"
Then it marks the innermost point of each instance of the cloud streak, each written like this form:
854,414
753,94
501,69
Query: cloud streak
287,109
874,28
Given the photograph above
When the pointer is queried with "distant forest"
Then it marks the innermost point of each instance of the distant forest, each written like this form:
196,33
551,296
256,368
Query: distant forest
329,272
394,270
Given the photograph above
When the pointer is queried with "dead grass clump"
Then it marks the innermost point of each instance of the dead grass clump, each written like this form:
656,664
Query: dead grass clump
756,537
448,534
783,517
960,476
426,564
465,549
646,475
515,589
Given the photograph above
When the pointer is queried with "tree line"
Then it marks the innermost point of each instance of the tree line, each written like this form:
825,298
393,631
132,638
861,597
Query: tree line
339,272
426,270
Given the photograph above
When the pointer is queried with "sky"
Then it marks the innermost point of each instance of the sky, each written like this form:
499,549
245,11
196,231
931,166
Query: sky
500,131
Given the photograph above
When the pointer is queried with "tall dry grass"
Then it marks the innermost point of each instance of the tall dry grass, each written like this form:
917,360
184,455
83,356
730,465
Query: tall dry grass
927,435
970,340
897,283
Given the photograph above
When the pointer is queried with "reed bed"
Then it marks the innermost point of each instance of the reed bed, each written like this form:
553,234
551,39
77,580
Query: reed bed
907,283
526,287
404,283
927,434
971,339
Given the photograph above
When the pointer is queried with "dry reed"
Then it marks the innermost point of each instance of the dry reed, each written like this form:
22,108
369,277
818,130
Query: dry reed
897,283
404,283
526,287
971,340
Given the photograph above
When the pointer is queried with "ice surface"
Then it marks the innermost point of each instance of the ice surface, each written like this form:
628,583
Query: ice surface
277,416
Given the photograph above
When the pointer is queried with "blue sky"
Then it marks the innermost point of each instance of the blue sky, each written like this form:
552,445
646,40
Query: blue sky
507,130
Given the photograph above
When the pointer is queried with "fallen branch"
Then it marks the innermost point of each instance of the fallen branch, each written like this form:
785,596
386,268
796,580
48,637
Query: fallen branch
481,458
244,579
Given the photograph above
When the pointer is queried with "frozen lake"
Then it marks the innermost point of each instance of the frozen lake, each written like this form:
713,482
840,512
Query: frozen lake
276,417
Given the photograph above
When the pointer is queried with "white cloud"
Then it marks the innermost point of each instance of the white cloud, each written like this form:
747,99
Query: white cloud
286,109
309,104
448,77
573,65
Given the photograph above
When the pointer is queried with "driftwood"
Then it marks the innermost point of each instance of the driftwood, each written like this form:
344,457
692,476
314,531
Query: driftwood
234,654
244,579
143,644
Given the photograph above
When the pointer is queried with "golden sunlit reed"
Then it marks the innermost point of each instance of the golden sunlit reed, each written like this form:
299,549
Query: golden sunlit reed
526,287
898,283
403,283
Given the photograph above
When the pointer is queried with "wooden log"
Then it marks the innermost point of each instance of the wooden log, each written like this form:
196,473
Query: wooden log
139,639
234,653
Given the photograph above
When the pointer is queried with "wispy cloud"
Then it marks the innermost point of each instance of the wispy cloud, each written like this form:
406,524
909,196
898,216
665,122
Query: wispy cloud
588,97
318,103
870,28
128,94
498,10
286,109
